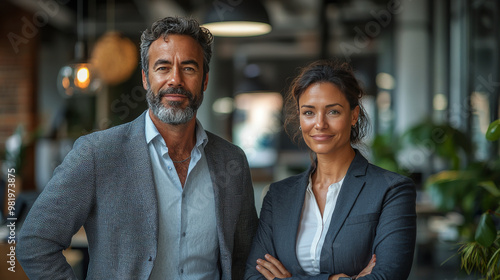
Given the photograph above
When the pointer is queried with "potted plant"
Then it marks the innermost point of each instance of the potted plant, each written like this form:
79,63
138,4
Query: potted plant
474,191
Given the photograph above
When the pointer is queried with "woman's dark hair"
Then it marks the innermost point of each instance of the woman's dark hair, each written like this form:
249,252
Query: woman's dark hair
326,71
180,26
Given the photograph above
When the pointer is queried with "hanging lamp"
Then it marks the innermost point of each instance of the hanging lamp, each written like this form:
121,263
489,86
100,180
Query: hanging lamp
112,49
78,77
237,18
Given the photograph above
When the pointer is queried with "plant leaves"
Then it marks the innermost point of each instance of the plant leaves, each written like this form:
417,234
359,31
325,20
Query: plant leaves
493,132
450,189
491,187
494,264
486,231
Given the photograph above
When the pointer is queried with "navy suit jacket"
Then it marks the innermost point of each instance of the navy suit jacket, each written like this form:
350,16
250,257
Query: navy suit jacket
106,184
374,214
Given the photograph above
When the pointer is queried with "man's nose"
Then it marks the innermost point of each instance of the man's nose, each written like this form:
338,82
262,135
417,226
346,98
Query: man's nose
175,78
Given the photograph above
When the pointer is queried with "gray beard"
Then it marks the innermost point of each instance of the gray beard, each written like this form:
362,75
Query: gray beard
173,115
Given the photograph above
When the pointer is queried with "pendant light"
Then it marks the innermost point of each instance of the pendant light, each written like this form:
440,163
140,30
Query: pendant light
78,77
111,49
237,18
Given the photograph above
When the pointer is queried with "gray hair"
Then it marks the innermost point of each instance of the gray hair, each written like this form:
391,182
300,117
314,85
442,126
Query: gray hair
180,26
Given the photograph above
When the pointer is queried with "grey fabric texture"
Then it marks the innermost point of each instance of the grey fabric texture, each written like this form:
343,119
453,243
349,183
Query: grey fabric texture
106,185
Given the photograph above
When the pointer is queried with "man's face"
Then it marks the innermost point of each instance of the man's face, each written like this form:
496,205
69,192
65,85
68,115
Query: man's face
175,84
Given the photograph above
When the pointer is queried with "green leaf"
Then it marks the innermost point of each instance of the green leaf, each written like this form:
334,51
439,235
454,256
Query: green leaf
493,132
494,264
468,204
486,231
491,187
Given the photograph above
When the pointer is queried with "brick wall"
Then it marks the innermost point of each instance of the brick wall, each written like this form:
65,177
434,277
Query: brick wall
18,63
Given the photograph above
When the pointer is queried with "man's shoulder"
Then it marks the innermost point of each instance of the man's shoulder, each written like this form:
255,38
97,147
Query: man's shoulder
117,133
217,142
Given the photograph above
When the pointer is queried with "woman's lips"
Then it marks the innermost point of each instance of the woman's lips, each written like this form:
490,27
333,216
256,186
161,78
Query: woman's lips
321,137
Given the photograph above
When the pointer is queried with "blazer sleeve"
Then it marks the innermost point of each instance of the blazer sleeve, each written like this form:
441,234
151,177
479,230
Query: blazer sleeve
246,225
263,242
57,214
394,242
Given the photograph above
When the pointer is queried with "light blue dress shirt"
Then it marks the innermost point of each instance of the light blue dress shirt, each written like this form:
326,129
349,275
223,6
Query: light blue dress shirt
188,246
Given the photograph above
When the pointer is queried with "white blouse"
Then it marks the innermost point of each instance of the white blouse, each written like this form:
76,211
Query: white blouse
313,227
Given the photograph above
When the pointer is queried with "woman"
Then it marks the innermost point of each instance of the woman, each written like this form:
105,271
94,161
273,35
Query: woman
343,217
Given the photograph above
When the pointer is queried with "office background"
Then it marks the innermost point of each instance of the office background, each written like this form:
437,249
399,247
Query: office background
430,70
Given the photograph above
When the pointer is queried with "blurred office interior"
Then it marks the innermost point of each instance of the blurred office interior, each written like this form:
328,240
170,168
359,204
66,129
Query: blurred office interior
430,70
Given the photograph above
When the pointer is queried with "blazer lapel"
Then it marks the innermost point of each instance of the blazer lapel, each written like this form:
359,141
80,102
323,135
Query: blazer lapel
137,160
352,186
216,167
291,217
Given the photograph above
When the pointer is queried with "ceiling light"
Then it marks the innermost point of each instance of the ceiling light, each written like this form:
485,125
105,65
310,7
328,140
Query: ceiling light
237,18
78,77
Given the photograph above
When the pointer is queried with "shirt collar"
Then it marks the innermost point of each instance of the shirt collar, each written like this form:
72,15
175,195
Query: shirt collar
152,132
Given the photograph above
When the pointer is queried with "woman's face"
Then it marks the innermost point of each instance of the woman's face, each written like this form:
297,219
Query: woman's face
326,118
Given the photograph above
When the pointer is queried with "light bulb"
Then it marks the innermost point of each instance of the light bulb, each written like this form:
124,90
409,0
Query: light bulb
82,77
78,78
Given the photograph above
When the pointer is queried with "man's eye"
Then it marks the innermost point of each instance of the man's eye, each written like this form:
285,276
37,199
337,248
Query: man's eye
189,69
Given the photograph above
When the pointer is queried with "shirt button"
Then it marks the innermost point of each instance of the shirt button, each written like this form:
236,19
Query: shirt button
183,234
169,168
182,270
183,195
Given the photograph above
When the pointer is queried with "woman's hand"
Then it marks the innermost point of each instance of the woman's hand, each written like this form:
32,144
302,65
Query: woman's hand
272,268
337,276
368,269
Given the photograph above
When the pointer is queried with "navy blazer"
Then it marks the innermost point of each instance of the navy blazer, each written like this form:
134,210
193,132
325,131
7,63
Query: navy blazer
374,214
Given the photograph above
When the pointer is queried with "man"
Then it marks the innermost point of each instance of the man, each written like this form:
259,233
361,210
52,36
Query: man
159,197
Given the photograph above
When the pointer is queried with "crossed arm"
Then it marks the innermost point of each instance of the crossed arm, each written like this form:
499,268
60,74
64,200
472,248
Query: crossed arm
272,268
393,243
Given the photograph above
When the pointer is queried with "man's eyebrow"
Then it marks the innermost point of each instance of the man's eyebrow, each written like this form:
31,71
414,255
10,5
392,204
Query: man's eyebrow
185,62
161,61
190,61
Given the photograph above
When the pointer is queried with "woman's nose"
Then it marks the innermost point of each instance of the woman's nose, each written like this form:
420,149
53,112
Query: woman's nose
320,122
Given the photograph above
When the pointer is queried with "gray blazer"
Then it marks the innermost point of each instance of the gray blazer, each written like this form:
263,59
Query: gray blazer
374,214
106,184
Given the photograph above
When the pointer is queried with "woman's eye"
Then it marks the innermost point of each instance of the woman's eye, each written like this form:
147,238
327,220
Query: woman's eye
307,113
333,112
